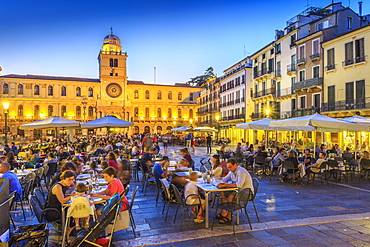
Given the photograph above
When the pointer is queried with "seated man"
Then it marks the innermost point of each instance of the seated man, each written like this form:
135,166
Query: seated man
315,167
157,148
158,170
146,159
62,155
279,158
241,179
14,184
307,157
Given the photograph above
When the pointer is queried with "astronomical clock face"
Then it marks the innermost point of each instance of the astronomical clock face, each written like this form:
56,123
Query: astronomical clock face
114,90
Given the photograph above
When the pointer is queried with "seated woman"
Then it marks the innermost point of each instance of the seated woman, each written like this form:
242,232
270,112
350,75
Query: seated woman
365,161
11,160
58,196
112,160
31,159
293,158
184,152
114,186
219,168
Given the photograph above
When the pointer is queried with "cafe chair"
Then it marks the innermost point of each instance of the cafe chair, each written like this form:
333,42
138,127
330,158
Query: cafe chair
10,201
37,208
260,165
239,202
334,170
130,208
39,174
322,173
32,235
108,217
51,172
166,196
289,171
364,168
182,202
40,197
79,208
256,185
145,180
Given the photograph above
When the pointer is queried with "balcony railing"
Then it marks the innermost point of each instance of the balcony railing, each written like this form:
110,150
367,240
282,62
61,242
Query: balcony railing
355,60
301,61
237,101
264,93
113,52
315,56
259,115
260,73
305,111
284,92
235,117
291,68
308,83
330,67
363,103
278,73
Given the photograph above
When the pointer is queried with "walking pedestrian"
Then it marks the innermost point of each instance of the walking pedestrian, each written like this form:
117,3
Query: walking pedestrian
209,144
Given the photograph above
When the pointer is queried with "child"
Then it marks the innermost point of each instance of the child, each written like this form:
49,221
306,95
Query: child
192,189
81,191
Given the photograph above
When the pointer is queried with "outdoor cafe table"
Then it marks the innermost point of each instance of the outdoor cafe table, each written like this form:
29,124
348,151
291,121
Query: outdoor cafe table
186,174
210,188
25,172
174,169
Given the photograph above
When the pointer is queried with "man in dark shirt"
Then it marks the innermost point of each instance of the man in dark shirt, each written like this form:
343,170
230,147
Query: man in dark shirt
62,155
307,157
146,159
209,144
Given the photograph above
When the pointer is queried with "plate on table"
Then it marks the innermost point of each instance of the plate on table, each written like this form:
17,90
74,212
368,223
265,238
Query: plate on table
102,181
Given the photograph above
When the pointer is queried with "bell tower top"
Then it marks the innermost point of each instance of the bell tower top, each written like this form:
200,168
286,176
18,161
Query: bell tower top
112,43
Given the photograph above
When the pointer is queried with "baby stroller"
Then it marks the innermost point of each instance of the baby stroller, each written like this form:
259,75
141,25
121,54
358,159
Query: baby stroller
108,216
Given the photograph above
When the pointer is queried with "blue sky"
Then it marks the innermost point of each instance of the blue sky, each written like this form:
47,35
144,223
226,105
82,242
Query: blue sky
180,38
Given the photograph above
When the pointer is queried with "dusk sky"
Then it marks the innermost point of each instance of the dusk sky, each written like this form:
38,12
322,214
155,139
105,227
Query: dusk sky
180,38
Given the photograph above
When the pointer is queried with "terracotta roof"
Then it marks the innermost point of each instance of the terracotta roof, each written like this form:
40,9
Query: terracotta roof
45,77
136,82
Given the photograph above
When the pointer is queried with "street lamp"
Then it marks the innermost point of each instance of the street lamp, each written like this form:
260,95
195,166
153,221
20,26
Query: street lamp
84,103
267,112
6,108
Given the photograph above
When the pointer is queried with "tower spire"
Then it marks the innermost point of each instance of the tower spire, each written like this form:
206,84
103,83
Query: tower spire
111,30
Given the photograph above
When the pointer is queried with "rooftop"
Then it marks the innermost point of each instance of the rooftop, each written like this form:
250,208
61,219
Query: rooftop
46,77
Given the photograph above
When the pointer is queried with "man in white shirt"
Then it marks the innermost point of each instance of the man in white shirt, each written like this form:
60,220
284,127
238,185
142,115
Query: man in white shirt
315,167
240,179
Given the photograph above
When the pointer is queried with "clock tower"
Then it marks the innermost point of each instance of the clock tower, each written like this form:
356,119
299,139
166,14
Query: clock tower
113,75
112,68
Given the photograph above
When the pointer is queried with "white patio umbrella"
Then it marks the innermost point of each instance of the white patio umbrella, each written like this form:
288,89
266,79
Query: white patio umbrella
317,122
357,119
182,128
205,129
106,122
51,122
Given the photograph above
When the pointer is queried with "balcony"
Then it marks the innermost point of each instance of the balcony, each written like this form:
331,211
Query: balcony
354,61
301,61
284,92
259,115
305,111
270,91
260,73
308,83
235,117
315,56
355,104
330,67
237,101
291,69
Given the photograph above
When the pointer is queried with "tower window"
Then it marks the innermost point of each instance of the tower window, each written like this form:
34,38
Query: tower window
115,63
116,74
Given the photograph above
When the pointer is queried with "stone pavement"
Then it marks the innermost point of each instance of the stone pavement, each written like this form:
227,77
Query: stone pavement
290,215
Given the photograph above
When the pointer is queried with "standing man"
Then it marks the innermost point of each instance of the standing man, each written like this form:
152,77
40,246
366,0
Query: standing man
209,144
189,137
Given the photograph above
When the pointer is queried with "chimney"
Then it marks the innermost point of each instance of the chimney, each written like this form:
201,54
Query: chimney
360,8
